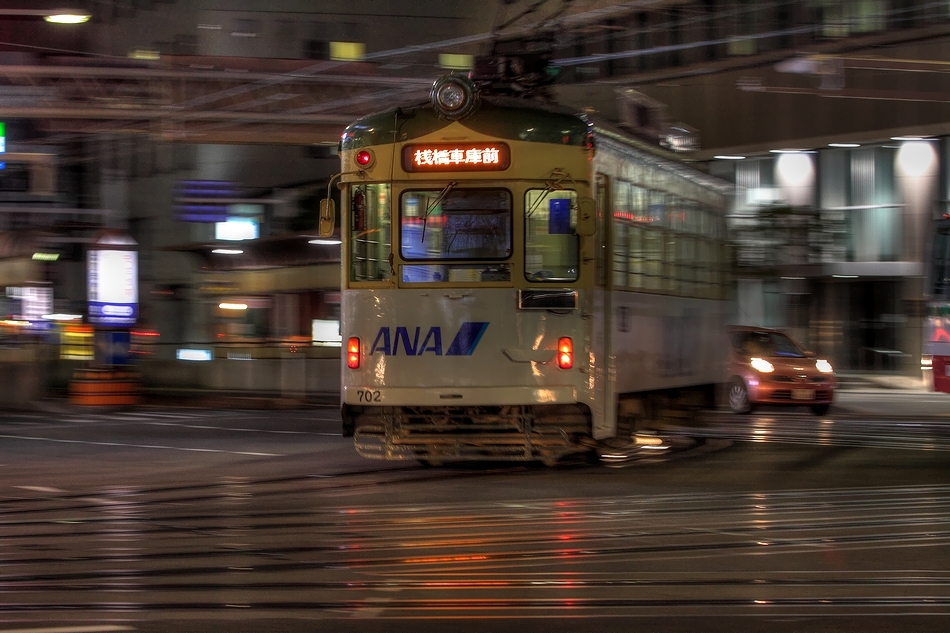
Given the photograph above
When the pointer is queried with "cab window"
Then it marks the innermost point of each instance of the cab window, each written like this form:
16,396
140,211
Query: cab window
443,231
551,241
370,232
454,223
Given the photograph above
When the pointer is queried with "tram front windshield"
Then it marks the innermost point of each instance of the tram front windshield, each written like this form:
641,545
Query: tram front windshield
465,234
455,224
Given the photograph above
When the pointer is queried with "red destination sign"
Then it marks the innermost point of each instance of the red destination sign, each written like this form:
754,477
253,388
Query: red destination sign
456,157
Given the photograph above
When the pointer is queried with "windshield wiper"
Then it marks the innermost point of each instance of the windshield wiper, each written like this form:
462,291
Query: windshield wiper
544,194
432,205
549,187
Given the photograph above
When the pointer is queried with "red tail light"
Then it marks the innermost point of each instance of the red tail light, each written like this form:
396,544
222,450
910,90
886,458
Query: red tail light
364,158
353,353
565,353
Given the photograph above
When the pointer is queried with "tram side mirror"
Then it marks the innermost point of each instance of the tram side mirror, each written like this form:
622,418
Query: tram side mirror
586,217
327,217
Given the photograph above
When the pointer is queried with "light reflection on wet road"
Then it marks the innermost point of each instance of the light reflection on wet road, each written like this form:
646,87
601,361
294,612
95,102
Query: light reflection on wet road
305,530
791,428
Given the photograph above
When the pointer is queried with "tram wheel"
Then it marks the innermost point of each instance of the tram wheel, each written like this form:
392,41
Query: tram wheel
739,397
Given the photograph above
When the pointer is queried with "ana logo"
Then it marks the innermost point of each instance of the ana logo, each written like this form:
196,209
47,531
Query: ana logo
392,343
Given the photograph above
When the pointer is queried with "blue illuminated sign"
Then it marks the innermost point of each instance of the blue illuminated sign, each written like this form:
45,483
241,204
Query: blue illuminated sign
559,216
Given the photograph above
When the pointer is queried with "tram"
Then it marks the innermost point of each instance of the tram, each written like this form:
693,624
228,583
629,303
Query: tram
521,282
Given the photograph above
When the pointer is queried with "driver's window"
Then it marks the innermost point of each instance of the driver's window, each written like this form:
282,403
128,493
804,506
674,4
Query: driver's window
370,239
551,242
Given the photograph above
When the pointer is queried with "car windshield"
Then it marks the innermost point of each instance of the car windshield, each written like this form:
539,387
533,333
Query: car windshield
765,344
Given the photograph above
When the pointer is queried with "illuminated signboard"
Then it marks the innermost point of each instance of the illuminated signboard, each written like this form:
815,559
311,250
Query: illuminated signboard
113,287
456,157
236,229
35,302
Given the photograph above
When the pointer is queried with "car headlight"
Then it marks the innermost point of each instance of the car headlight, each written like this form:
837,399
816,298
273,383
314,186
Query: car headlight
823,366
762,365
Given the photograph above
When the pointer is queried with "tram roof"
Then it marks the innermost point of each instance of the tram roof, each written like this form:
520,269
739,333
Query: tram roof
508,118
516,119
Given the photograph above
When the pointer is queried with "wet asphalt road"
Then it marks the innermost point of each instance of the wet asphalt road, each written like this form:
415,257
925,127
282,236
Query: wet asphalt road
182,519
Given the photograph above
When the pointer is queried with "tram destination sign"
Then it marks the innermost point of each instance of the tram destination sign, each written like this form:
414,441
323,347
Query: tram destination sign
456,157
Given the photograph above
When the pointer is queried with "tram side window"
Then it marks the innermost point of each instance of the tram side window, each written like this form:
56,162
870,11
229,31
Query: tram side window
370,232
663,243
629,210
666,243
676,213
656,214
686,261
696,219
551,242
635,257
622,231
653,259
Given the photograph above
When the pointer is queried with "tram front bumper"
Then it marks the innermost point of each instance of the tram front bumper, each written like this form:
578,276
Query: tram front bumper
458,396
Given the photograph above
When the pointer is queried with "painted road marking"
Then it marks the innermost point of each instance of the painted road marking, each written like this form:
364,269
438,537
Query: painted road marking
39,489
150,446
101,628
243,429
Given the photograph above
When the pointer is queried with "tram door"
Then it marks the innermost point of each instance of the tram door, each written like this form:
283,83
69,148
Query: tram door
605,406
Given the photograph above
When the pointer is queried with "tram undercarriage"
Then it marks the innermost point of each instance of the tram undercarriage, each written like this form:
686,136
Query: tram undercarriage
433,434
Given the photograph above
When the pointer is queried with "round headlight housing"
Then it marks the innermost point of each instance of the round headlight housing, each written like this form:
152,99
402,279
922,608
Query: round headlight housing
364,158
453,97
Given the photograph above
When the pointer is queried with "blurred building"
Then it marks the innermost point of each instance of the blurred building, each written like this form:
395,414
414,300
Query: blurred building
834,244
208,132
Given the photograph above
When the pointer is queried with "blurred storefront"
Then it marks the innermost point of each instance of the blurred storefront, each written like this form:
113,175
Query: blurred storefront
269,291
833,245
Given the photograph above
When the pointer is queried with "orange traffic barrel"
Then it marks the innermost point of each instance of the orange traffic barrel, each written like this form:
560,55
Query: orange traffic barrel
104,388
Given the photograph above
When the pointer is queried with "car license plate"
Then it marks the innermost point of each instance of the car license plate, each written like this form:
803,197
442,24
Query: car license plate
803,394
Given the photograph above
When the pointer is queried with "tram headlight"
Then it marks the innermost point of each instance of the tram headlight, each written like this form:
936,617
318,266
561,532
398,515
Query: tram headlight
823,366
762,365
453,97
353,352
565,353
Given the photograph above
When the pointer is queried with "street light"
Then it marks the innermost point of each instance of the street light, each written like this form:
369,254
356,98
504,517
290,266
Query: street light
67,16
56,16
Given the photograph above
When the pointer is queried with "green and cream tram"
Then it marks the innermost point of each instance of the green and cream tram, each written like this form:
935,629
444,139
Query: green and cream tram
520,283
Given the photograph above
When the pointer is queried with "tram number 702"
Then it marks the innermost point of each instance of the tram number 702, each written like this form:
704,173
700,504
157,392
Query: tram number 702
367,395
